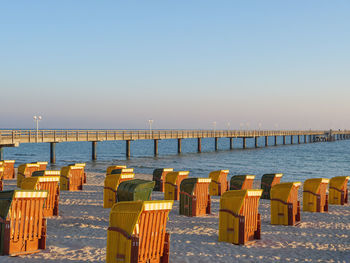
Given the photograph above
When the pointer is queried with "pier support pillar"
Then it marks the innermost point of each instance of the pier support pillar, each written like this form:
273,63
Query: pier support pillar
94,150
216,143
52,152
199,145
231,143
1,153
127,152
155,146
266,141
244,142
305,138
310,138
284,140
178,145
275,140
291,139
256,142
298,139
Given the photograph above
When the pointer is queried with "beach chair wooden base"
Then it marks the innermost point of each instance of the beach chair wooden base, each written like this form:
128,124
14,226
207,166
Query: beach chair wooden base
18,247
160,259
191,206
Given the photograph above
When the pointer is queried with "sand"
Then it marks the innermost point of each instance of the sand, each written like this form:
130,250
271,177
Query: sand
79,234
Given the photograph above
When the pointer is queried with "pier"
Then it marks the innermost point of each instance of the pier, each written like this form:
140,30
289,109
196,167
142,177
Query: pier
13,138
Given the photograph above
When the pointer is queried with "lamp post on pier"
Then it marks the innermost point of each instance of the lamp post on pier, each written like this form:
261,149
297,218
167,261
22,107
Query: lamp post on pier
37,119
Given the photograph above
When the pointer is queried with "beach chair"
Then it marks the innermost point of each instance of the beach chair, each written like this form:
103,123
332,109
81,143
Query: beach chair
9,169
315,198
49,184
26,170
84,173
22,222
285,207
172,184
267,181
239,220
241,182
42,165
71,178
338,190
111,184
134,190
218,184
114,167
159,176
46,173
194,197
123,171
137,232
1,177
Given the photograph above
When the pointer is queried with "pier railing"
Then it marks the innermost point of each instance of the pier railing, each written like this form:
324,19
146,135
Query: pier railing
8,137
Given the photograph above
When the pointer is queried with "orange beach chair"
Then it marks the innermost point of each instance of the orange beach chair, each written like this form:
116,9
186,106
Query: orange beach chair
22,222
159,176
9,168
26,170
194,197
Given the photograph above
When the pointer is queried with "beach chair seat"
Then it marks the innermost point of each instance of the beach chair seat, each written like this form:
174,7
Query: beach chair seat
22,222
136,189
46,173
9,169
338,190
84,173
267,181
111,184
172,184
239,220
49,184
315,198
71,178
114,167
194,197
285,206
1,177
219,183
159,176
42,165
241,182
25,170
137,232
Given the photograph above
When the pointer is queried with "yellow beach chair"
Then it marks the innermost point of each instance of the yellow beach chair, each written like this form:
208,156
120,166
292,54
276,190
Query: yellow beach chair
26,170
239,220
114,167
219,183
172,184
111,184
338,190
315,198
285,207
137,232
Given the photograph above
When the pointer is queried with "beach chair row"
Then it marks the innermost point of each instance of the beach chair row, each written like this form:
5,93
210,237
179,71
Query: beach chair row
23,212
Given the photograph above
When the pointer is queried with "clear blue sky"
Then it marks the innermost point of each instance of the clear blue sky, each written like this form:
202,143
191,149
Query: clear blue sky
184,64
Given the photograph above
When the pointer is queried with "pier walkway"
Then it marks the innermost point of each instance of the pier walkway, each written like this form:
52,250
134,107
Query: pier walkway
12,138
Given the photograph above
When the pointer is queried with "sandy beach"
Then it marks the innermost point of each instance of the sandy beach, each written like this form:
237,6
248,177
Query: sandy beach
79,233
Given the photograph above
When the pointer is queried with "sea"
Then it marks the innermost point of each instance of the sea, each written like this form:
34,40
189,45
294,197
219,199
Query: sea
297,162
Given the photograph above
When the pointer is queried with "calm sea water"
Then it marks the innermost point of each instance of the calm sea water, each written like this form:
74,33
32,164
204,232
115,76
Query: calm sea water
297,162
